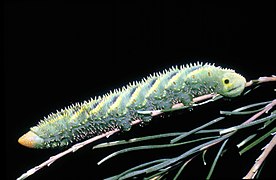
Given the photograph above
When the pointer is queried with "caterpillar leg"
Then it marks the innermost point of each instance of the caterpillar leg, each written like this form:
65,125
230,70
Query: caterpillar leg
186,101
160,111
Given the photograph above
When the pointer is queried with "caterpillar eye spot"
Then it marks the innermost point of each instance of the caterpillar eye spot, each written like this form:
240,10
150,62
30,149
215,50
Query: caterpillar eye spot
226,81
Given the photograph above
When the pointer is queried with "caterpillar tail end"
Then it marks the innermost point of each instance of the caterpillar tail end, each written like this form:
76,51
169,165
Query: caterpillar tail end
31,140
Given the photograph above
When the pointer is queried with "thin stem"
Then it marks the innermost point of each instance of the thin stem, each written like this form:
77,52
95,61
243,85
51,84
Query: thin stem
216,159
182,168
121,176
260,160
146,138
257,141
134,140
152,147
235,128
243,142
261,80
196,129
240,113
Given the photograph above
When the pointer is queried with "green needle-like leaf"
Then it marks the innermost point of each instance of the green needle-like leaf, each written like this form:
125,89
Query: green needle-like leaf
152,147
272,117
257,141
216,160
154,137
122,175
182,168
196,129
146,138
203,157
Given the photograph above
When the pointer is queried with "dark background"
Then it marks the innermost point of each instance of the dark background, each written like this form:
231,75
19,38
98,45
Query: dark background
58,53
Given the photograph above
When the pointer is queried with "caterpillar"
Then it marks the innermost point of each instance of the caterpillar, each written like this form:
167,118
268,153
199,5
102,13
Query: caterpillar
118,108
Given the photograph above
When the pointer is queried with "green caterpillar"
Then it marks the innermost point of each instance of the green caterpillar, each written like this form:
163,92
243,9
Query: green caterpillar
120,107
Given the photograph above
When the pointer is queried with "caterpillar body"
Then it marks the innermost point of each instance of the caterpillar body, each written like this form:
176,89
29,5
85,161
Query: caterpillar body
117,109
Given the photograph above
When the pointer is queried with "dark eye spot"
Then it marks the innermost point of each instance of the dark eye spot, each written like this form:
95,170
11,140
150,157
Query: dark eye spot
226,81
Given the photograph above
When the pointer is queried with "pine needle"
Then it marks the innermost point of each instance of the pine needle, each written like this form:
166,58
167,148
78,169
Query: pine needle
216,159
257,141
147,147
196,129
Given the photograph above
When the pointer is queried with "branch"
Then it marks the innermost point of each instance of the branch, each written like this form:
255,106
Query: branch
107,134
259,161
261,80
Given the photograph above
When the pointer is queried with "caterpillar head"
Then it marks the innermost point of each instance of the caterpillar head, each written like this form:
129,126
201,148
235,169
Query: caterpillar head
231,84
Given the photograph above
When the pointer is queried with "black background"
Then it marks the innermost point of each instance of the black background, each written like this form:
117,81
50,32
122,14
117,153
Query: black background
58,53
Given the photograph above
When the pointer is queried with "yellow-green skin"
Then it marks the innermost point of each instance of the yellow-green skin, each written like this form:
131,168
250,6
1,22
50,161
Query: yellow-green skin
119,108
